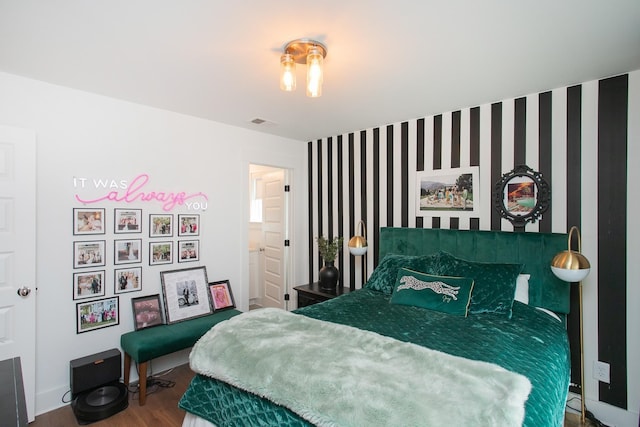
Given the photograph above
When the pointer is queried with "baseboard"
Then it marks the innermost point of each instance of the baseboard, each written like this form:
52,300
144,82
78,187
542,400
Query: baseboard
609,414
52,399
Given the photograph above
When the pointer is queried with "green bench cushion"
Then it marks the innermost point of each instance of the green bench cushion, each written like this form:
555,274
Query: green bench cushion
157,341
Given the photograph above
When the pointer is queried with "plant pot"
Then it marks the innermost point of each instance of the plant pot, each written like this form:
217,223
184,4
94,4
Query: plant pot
328,276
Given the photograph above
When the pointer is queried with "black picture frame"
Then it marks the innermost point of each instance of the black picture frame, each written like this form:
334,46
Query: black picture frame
184,293
127,221
521,196
89,254
97,314
88,284
188,225
127,280
88,221
147,312
188,250
160,252
221,296
161,225
127,251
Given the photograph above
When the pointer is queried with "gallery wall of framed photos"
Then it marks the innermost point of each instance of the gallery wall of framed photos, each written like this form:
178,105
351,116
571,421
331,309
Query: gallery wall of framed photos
116,250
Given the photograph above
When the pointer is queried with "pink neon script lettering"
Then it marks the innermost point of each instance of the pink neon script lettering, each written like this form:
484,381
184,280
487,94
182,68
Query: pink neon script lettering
133,193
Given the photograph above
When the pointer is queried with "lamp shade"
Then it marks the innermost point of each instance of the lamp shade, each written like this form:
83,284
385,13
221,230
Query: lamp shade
288,72
314,72
358,245
569,265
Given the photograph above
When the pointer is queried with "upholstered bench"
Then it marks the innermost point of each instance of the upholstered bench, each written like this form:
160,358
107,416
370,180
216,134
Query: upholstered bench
147,344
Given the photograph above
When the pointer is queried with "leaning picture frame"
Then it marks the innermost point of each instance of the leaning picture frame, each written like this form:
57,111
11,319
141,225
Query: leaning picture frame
185,294
127,221
88,221
147,311
97,314
88,284
221,296
127,280
88,254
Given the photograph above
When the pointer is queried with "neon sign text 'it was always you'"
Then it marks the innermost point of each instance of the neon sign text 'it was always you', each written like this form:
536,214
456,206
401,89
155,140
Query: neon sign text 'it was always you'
124,191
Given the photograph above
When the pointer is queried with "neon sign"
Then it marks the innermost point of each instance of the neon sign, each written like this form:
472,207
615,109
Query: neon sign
125,192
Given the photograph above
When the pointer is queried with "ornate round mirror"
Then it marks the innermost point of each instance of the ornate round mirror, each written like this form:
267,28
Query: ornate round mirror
522,196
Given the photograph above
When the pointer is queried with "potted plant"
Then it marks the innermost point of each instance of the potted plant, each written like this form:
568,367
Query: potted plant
328,249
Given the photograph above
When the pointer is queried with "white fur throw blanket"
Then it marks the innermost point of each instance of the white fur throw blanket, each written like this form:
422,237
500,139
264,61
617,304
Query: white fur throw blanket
336,375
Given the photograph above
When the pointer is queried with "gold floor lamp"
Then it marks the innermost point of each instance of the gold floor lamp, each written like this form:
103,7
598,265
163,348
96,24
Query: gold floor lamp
358,245
573,267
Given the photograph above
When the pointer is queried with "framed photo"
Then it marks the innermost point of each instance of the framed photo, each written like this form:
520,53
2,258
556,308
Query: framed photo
448,192
522,195
127,280
185,294
160,253
88,254
88,221
127,251
88,284
97,314
221,296
146,312
188,225
188,250
160,225
127,221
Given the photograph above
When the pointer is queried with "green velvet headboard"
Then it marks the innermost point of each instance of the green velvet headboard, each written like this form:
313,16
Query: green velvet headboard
534,250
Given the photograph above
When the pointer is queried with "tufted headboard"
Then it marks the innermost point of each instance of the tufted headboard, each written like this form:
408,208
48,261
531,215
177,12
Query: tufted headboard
534,250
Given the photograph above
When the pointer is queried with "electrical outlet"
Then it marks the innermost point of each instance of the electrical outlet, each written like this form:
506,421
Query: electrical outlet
601,371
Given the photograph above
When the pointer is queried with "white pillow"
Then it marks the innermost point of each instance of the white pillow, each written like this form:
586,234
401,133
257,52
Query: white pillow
550,313
522,288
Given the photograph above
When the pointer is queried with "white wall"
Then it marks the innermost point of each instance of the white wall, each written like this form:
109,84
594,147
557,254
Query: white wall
90,136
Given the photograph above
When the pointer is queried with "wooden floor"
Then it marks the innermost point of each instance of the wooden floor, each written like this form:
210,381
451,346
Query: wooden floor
160,410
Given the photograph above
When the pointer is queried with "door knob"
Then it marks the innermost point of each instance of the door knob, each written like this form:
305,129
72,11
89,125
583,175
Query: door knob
24,291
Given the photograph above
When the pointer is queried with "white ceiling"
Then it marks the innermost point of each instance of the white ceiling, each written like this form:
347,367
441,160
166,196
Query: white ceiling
387,61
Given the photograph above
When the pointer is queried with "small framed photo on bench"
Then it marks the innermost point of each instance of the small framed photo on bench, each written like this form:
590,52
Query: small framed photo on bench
185,294
147,311
221,295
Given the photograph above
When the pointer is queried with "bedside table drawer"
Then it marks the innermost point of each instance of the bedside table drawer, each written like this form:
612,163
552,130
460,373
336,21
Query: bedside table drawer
312,294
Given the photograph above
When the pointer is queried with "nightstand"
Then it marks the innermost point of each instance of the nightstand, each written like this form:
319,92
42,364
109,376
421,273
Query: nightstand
312,294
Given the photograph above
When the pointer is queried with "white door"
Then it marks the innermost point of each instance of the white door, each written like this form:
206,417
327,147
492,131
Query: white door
273,227
18,253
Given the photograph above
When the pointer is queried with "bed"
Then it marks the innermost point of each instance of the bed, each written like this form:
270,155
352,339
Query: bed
391,354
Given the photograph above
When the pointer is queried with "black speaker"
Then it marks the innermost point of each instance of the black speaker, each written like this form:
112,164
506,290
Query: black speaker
95,370
95,387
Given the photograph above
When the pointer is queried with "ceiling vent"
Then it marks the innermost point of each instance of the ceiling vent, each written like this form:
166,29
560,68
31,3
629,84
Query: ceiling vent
262,122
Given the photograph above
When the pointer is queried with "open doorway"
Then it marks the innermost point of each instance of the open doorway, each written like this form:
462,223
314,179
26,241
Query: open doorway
269,225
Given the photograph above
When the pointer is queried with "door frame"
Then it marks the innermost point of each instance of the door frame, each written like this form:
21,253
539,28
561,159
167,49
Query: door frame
289,173
23,169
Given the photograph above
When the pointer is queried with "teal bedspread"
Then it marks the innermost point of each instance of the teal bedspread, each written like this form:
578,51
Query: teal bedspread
530,343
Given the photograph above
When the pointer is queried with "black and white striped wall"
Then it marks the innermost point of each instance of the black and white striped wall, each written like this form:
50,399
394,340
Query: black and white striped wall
585,139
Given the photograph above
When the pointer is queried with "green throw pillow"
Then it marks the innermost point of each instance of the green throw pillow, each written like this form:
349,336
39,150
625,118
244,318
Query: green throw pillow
383,277
450,295
495,283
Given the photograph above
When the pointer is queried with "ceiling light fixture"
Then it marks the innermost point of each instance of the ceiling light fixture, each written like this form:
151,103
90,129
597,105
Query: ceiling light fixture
303,51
